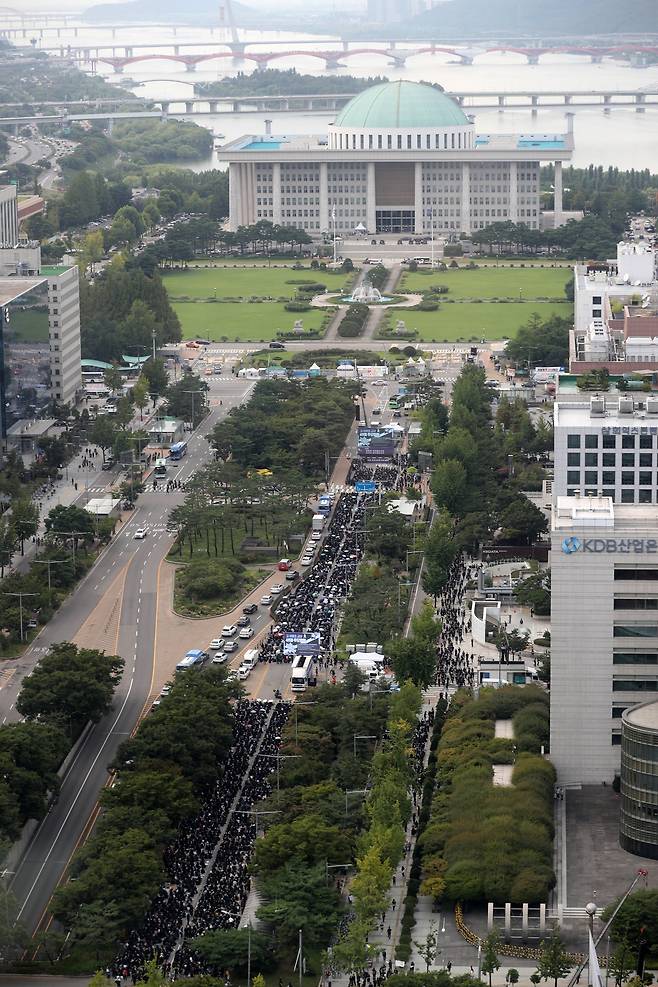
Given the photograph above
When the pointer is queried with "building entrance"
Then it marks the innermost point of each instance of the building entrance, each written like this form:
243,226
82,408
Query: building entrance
395,220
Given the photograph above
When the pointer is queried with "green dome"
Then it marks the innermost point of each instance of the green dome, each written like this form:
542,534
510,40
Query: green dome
398,105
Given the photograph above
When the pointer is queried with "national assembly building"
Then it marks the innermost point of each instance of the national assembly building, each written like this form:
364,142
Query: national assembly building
401,157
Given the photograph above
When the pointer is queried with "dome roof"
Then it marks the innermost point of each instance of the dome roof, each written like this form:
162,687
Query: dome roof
397,105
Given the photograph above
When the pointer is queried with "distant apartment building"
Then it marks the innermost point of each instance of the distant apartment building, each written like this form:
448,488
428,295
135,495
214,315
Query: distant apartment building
64,332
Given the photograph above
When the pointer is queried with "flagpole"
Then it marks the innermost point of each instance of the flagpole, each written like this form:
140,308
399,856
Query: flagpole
333,219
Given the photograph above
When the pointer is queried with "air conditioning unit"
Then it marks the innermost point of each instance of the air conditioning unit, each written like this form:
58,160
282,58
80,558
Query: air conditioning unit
597,406
625,405
652,406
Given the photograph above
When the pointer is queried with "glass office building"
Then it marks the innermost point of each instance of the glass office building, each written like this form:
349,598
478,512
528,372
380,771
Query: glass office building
638,819
25,373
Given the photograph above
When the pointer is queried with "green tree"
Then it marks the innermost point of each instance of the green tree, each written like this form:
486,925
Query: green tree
522,521
113,379
541,342
297,897
227,949
490,961
70,686
307,839
93,249
639,911
122,233
8,543
64,522
24,520
153,976
449,486
553,961
440,551
413,658
151,214
428,947
140,395
535,592
621,963
102,433
371,884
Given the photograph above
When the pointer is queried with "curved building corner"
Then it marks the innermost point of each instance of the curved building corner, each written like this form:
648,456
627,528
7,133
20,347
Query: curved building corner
638,818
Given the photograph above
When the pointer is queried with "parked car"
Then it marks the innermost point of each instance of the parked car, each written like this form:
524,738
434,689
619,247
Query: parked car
244,671
229,630
217,644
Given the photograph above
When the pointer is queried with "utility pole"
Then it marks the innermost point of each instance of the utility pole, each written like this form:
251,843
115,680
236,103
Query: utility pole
73,535
279,758
153,341
50,562
20,607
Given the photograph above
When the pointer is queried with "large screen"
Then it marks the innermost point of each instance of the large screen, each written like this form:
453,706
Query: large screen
301,643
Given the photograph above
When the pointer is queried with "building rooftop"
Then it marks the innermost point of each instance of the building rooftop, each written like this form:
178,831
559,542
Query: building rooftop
32,427
645,715
14,287
605,412
401,104
574,513
54,270
318,143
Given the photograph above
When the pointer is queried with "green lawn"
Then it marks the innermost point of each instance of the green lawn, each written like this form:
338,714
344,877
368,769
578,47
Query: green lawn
29,325
243,321
489,320
492,282
245,282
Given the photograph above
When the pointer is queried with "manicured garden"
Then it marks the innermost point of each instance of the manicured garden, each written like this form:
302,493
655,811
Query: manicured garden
491,282
463,321
246,302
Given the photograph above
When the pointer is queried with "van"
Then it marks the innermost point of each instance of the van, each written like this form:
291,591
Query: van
250,658
244,671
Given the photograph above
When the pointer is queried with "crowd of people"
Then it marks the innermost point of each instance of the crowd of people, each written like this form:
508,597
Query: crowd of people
206,864
455,666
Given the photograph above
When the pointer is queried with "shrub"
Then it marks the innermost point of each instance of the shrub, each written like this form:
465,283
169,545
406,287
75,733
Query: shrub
296,306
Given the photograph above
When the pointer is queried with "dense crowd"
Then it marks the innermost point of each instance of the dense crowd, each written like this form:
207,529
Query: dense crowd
455,667
207,863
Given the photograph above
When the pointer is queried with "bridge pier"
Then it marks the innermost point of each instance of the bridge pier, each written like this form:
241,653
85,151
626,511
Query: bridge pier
533,59
399,61
345,45
640,100
501,103
596,59
164,109
212,105
129,52
466,59
333,63
237,48
534,101
110,126
189,107
639,60
190,66
567,99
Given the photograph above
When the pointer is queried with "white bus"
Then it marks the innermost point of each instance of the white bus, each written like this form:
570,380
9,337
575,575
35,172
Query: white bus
303,672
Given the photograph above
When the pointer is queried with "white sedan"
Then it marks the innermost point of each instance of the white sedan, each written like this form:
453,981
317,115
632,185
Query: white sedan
246,632
265,600
216,644
140,533
276,589
229,630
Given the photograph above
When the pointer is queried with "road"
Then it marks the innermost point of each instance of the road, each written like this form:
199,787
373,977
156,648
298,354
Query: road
114,607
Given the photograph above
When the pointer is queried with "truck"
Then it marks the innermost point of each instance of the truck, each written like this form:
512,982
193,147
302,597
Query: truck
317,523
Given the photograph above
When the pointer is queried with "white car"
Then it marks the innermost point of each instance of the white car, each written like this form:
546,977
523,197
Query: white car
266,600
316,536
243,672
246,632
276,589
219,658
307,560
230,646
217,644
140,533
228,630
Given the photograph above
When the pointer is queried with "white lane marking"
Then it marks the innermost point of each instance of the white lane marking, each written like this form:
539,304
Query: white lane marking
74,802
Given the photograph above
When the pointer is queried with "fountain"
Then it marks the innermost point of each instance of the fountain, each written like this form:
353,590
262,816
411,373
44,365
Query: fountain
366,294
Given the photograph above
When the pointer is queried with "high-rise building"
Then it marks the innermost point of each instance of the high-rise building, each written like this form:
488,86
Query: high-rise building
604,630
8,216
64,332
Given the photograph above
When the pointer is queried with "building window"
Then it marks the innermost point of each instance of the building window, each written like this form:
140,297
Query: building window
635,603
635,630
591,441
646,458
573,441
573,476
628,441
628,496
645,479
609,459
627,479
635,658
608,477
623,575
573,459
609,442
591,477
646,442
628,459
635,685
616,740
645,496
591,459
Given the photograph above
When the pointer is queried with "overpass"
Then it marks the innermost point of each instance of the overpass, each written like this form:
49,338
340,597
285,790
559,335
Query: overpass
200,106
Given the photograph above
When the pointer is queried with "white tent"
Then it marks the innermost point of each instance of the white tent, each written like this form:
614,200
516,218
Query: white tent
314,366
359,228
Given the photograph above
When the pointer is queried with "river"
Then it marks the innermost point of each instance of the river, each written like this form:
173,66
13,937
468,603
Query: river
621,138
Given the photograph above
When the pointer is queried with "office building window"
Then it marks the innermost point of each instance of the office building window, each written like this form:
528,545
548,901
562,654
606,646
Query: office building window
591,459
591,441
616,740
573,441
609,442
608,476
573,476
646,442
628,459
645,479
573,459
591,476
645,497
628,496
623,575
636,603
609,492
609,458
627,478
617,712
628,441
635,658
635,685
646,459
635,630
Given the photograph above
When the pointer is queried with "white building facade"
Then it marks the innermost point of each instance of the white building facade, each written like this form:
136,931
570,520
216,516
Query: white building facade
64,332
607,444
401,157
604,630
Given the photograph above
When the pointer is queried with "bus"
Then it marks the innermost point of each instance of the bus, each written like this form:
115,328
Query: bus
160,468
394,402
303,673
178,450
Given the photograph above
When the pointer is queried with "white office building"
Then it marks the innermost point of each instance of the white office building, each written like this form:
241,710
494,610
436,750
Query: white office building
607,444
604,630
401,157
64,332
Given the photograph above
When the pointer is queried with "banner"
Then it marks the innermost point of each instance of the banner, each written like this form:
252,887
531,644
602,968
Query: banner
301,643
375,443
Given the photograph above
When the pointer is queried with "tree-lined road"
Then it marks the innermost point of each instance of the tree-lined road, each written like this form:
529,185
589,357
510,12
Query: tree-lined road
114,608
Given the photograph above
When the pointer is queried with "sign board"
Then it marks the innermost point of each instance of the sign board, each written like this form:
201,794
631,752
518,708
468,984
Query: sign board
301,643
544,375
375,442
612,546
366,486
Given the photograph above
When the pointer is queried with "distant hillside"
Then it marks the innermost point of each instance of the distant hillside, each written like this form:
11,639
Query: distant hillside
169,12
500,18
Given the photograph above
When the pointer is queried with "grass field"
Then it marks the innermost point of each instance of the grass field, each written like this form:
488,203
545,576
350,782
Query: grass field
486,321
245,282
257,322
29,325
492,282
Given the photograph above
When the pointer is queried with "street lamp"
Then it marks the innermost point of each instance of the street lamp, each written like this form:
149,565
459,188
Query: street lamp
279,758
20,607
50,562
310,702
353,791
